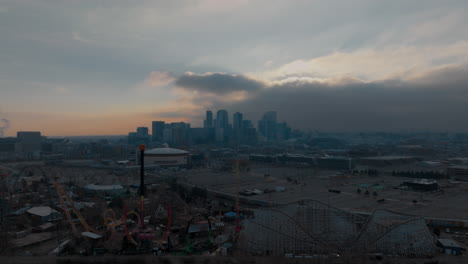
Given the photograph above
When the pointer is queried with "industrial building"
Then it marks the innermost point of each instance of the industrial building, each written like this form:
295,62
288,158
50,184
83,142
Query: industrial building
7,145
449,246
381,161
459,172
336,163
296,159
262,158
104,190
43,214
422,185
331,162
167,157
29,142
157,130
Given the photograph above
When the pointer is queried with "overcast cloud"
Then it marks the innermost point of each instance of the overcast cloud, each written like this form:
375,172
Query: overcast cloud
218,83
437,101
327,65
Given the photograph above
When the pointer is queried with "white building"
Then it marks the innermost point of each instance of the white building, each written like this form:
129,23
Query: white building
43,214
167,157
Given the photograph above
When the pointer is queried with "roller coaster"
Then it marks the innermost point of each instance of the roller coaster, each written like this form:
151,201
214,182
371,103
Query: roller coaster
110,220
112,223
311,227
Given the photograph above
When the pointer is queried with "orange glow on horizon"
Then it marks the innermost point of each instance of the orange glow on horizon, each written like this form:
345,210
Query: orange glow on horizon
83,126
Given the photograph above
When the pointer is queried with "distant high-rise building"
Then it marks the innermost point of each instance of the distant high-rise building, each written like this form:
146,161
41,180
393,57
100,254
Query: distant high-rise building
200,135
261,125
133,138
247,124
29,141
249,133
267,126
157,130
222,119
209,119
142,131
141,136
237,121
222,126
237,126
177,134
283,131
219,134
270,116
167,134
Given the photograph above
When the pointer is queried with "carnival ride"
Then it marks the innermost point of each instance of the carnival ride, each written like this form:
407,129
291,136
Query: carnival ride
14,182
202,247
140,235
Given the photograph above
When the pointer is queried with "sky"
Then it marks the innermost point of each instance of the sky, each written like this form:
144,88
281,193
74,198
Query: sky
87,67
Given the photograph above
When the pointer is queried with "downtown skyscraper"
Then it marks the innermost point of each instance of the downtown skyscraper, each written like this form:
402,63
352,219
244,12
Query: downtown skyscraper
208,123
222,126
237,126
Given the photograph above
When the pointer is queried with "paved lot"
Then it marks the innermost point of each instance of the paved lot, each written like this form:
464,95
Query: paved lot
314,184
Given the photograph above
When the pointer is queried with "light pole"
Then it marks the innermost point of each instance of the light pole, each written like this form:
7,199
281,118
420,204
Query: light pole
142,183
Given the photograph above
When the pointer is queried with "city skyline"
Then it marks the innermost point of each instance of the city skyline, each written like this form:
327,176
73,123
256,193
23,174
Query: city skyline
308,131
85,68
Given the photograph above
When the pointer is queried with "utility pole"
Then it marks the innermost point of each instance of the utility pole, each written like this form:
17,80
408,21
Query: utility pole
238,228
142,183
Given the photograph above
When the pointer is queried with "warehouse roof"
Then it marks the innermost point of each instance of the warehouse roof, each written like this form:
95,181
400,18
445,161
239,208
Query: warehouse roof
445,242
91,235
165,151
19,211
388,157
41,211
461,167
422,181
95,187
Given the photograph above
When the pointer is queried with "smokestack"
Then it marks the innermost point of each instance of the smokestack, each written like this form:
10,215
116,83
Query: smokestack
4,125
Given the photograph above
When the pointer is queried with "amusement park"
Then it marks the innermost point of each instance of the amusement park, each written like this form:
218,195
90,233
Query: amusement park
141,214
229,207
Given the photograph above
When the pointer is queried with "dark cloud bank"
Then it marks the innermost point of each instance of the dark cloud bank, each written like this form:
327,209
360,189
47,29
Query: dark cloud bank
218,83
435,101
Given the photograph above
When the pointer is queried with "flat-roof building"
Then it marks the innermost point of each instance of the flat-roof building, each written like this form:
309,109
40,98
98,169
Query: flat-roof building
336,163
43,214
449,246
29,141
167,157
387,160
422,185
459,172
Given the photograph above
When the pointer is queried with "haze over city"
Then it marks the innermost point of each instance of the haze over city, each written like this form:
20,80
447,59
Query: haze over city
95,68
241,131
